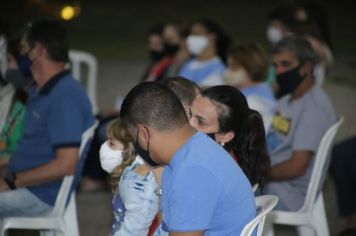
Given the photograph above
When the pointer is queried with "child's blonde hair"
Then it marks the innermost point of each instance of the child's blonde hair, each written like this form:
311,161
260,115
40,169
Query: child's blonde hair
117,130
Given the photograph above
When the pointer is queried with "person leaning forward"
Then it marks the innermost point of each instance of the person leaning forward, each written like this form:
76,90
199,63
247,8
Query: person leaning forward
204,192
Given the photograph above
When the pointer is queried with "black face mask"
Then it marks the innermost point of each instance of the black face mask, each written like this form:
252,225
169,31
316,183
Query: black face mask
155,55
145,155
289,81
17,79
171,49
212,135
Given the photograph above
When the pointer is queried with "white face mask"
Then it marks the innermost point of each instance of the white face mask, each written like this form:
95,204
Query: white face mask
196,44
235,78
274,35
109,158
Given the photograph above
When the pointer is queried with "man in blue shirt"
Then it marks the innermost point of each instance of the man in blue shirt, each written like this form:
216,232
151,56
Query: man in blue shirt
57,113
204,192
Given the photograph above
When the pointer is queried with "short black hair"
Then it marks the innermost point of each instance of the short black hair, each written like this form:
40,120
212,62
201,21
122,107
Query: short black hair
186,90
153,104
52,35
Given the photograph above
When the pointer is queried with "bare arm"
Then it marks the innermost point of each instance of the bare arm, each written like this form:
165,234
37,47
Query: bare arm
294,167
195,233
64,164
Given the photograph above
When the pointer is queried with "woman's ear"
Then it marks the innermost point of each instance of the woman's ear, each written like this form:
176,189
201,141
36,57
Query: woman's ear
225,137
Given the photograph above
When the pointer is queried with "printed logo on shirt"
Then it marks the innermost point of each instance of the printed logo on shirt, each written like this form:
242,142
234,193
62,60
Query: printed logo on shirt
36,114
281,124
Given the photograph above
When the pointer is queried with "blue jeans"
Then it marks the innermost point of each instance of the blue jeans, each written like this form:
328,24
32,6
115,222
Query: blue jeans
21,202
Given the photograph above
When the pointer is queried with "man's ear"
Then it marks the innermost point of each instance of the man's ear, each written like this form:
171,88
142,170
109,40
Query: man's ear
147,132
307,68
39,50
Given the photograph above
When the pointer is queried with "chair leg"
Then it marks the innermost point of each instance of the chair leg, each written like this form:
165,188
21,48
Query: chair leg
52,233
268,229
3,232
71,219
305,231
319,218
48,233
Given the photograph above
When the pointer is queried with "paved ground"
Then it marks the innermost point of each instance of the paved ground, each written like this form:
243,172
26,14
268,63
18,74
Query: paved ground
117,77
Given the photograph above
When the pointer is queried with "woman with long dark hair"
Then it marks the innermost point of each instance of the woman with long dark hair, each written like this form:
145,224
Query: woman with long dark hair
222,112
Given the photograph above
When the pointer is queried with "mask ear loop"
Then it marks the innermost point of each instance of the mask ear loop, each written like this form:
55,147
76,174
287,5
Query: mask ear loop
136,141
148,142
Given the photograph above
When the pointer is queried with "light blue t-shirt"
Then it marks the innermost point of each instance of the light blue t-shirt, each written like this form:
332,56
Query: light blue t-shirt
205,73
260,98
297,125
262,90
203,189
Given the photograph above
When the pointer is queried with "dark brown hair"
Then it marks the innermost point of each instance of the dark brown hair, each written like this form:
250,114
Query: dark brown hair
253,58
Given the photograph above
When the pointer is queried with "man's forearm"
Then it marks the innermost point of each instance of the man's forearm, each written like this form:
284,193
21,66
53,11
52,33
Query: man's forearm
282,171
294,167
64,164
49,172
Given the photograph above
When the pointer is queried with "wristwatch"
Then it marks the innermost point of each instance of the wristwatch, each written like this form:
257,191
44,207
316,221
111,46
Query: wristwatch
9,178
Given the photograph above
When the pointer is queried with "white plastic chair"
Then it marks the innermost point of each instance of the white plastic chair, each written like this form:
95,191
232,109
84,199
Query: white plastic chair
62,220
3,50
79,58
255,187
6,96
264,205
311,217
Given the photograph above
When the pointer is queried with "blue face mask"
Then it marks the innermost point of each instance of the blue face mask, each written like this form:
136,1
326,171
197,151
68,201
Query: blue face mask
24,63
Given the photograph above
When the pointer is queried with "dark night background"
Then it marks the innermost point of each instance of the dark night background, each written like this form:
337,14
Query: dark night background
117,29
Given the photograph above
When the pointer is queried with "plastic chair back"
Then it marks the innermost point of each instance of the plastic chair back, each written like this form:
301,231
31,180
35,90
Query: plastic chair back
322,161
77,60
264,205
66,186
255,187
6,97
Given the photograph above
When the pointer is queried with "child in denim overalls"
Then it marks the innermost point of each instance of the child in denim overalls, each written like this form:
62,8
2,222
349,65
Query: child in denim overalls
135,203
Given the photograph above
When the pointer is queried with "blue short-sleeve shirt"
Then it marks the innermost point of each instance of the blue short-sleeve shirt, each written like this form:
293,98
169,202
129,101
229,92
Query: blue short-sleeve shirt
56,116
203,189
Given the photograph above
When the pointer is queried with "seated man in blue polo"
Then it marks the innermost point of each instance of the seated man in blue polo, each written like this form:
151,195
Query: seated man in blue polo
204,192
57,113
